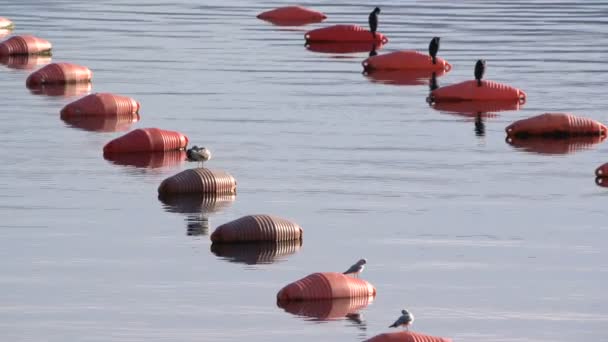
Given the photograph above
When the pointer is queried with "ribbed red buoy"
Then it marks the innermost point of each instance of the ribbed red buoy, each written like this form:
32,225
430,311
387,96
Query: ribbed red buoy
602,171
548,145
473,108
556,124
254,253
59,73
147,140
470,91
407,336
102,123
292,16
257,228
405,60
5,23
199,180
403,77
328,309
326,285
344,33
25,45
101,104
343,47
24,62
66,89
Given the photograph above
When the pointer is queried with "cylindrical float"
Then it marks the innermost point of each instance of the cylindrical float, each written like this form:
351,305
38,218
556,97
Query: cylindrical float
5,23
59,73
326,285
343,47
292,16
405,60
407,336
556,125
102,104
198,180
25,45
344,33
24,62
470,91
404,77
102,123
66,89
147,140
602,171
554,146
328,309
254,253
257,228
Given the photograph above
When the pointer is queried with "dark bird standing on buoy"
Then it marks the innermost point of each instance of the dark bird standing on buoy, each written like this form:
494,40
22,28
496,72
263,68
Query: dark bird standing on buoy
434,48
198,154
404,320
433,82
356,268
480,69
373,21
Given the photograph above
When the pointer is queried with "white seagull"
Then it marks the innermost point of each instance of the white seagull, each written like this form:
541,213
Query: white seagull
356,268
198,154
405,320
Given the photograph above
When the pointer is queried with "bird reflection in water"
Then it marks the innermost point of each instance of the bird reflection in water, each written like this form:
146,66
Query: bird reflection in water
197,208
480,126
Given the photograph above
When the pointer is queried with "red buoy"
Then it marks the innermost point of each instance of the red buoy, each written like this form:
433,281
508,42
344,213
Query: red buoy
102,123
292,16
25,45
59,73
147,140
102,104
344,33
257,228
548,145
556,124
24,62
328,309
470,91
403,77
199,180
407,336
405,60
602,171
343,47
326,285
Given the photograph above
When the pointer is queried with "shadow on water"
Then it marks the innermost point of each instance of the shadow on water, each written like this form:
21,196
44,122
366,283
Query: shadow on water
67,90
553,145
101,123
253,253
147,160
25,62
197,208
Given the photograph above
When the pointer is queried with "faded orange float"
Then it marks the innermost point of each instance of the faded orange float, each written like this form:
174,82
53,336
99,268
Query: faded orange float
5,23
602,171
556,124
199,180
117,123
66,89
254,253
343,47
25,45
407,336
550,145
470,91
326,285
328,309
24,62
147,140
405,60
474,108
59,73
403,77
292,16
344,33
257,228
102,104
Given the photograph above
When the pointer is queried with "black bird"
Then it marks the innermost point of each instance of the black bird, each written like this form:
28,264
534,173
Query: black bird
433,82
198,154
434,48
480,69
373,21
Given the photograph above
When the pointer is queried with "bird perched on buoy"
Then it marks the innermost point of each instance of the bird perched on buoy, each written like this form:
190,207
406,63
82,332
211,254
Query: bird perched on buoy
356,268
373,21
480,69
404,320
434,48
198,154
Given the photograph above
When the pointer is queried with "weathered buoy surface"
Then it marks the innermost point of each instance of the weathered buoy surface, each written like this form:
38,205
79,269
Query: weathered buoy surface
554,146
199,180
403,77
326,285
343,47
602,171
24,62
470,91
254,253
474,108
25,45
117,123
405,60
147,140
101,104
344,33
257,228
407,336
328,309
5,23
65,89
557,125
58,73
292,16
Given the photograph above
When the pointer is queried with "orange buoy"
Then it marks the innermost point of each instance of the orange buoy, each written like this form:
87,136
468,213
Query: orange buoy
407,336
328,309
557,125
602,181
344,33
292,16
101,123
548,145
147,140
24,62
25,45
402,77
602,171
195,203
343,47
59,73
198,180
470,91
101,104
6,23
257,228
254,253
66,89
405,60
326,285
474,108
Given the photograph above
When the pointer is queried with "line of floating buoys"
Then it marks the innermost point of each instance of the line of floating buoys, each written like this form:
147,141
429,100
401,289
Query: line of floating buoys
474,108
403,77
25,45
199,180
102,104
257,228
5,23
407,336
344,33
343,47
147,140
326,285
470,91
292,16
24,62
254,253
405,60
327,309
102,123
556,125
548,145
59,73
66,89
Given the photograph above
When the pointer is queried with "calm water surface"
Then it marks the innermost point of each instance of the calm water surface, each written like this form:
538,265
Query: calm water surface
481,240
